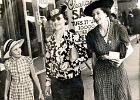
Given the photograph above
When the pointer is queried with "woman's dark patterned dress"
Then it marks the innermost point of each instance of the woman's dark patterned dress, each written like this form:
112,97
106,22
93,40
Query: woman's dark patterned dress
110,81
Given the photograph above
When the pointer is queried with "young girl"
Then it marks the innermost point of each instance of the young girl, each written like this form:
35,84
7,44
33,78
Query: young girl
20,69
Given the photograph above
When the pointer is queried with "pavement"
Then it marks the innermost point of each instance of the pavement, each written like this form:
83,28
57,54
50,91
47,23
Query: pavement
132,66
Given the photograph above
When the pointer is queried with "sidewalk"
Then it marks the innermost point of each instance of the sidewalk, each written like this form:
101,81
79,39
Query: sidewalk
132,66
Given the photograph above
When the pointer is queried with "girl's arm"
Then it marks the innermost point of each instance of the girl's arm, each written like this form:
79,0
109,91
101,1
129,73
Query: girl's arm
36,80
7,84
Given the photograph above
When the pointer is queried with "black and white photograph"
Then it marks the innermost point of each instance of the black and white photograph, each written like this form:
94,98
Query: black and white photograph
69,49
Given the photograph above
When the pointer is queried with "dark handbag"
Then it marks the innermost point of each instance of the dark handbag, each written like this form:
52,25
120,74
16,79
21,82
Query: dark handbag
123,50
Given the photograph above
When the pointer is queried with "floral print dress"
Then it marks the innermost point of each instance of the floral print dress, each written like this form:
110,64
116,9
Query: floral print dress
56,55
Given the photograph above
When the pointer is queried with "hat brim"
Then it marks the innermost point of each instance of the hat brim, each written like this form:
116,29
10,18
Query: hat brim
20,42
88,10
98,4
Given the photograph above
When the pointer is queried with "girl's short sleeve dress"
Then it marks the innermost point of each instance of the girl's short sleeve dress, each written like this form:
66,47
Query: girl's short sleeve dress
21,86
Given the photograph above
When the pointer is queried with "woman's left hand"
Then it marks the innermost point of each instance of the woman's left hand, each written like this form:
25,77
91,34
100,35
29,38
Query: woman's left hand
117,61
41,97
64,66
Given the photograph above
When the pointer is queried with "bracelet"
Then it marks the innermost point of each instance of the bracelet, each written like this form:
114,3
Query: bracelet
48,79
48,83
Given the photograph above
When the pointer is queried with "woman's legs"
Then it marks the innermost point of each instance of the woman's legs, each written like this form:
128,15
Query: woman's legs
71,89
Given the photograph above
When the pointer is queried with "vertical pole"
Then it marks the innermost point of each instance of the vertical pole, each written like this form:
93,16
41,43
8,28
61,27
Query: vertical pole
27,28
6,20
11,20
35,6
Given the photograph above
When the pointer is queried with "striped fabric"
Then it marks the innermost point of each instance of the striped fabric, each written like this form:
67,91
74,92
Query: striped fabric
21,86
110,82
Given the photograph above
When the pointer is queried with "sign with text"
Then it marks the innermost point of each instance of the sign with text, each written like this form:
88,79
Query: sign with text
43,3
77,20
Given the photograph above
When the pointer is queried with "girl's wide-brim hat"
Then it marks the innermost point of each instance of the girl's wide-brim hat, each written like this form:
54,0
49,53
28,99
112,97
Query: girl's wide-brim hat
98,4
9,44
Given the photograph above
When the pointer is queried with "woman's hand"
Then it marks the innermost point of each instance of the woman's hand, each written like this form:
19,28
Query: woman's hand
48,90
73,54
5,97
119,61
64,66
116,61
110,58
41,97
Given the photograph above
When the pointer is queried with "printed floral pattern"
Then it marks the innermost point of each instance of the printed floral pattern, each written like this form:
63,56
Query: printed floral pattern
58,55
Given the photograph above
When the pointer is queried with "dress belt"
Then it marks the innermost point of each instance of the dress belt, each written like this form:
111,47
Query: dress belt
20,79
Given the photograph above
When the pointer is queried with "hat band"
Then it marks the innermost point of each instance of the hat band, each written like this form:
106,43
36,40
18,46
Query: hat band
8,45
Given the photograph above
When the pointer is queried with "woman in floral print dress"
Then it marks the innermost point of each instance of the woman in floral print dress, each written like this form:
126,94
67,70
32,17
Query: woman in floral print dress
20,69
64,53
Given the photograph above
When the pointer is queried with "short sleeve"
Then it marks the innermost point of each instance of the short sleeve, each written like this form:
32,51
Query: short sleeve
29,60
7,64
123,35
90,49
124,41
